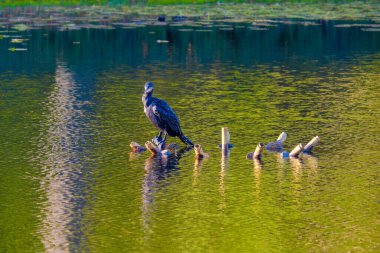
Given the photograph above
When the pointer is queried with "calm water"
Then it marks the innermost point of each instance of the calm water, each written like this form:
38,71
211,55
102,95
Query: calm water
71,104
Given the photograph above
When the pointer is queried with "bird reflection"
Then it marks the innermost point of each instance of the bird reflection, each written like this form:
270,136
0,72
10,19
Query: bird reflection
61,162
158,168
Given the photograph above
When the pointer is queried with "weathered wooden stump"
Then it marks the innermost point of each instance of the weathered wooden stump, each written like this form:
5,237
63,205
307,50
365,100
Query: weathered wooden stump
311,144
137,148
152,148
296,151
170,149
276,146
199,154
226,145
258,152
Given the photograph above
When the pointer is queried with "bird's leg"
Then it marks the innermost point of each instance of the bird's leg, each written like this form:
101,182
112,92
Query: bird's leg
161,144
156,140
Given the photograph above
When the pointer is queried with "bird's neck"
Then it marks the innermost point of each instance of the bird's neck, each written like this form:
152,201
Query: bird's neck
146,98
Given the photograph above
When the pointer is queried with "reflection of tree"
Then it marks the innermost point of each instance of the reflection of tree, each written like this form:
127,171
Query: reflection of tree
62,167
241,47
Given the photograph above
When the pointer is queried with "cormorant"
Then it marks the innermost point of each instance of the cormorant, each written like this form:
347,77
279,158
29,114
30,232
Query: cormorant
163,117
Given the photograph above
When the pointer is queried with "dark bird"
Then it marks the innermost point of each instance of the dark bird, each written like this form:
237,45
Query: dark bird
163,117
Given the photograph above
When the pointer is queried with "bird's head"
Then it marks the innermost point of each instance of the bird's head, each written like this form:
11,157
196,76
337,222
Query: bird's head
148,87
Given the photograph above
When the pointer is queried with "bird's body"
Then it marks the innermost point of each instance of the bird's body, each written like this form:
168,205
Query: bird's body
162,116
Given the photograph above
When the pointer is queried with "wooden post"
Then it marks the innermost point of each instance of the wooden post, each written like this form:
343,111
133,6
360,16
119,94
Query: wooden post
282,137
225,137
137,148
199,154
296,151
311,144
258,151
225,140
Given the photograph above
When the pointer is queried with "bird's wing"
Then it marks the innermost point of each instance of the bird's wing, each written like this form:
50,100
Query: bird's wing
155,111
167,116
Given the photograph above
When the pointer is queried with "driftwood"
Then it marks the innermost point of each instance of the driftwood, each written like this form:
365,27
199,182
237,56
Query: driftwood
170,149
225,137
199,154
226,145
276,146
311,144
173,149
137,148
296,151
152,148
258,152
225,140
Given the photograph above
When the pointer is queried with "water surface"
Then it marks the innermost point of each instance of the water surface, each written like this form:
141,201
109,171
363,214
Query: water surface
71,104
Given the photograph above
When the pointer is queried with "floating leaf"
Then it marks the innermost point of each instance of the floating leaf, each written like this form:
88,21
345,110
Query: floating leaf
185,30
129,27
257,28
307,23
18,40
226,29
370,29
20,27
69,27
13,49
263,24
343,26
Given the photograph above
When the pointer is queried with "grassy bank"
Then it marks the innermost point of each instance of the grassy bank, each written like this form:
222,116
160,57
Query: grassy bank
347,10
15,3
352,11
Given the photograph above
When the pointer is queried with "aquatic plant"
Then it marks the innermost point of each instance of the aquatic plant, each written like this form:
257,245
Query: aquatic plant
111,10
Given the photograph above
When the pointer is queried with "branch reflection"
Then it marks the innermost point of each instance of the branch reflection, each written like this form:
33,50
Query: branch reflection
223,172
257,168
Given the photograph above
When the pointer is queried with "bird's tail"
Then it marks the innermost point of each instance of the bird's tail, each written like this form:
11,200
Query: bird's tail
185,140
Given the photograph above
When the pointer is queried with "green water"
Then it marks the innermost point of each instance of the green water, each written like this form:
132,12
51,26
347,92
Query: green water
71,104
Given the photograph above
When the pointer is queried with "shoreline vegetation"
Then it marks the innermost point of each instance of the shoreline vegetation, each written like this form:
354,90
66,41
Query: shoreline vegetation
205,10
